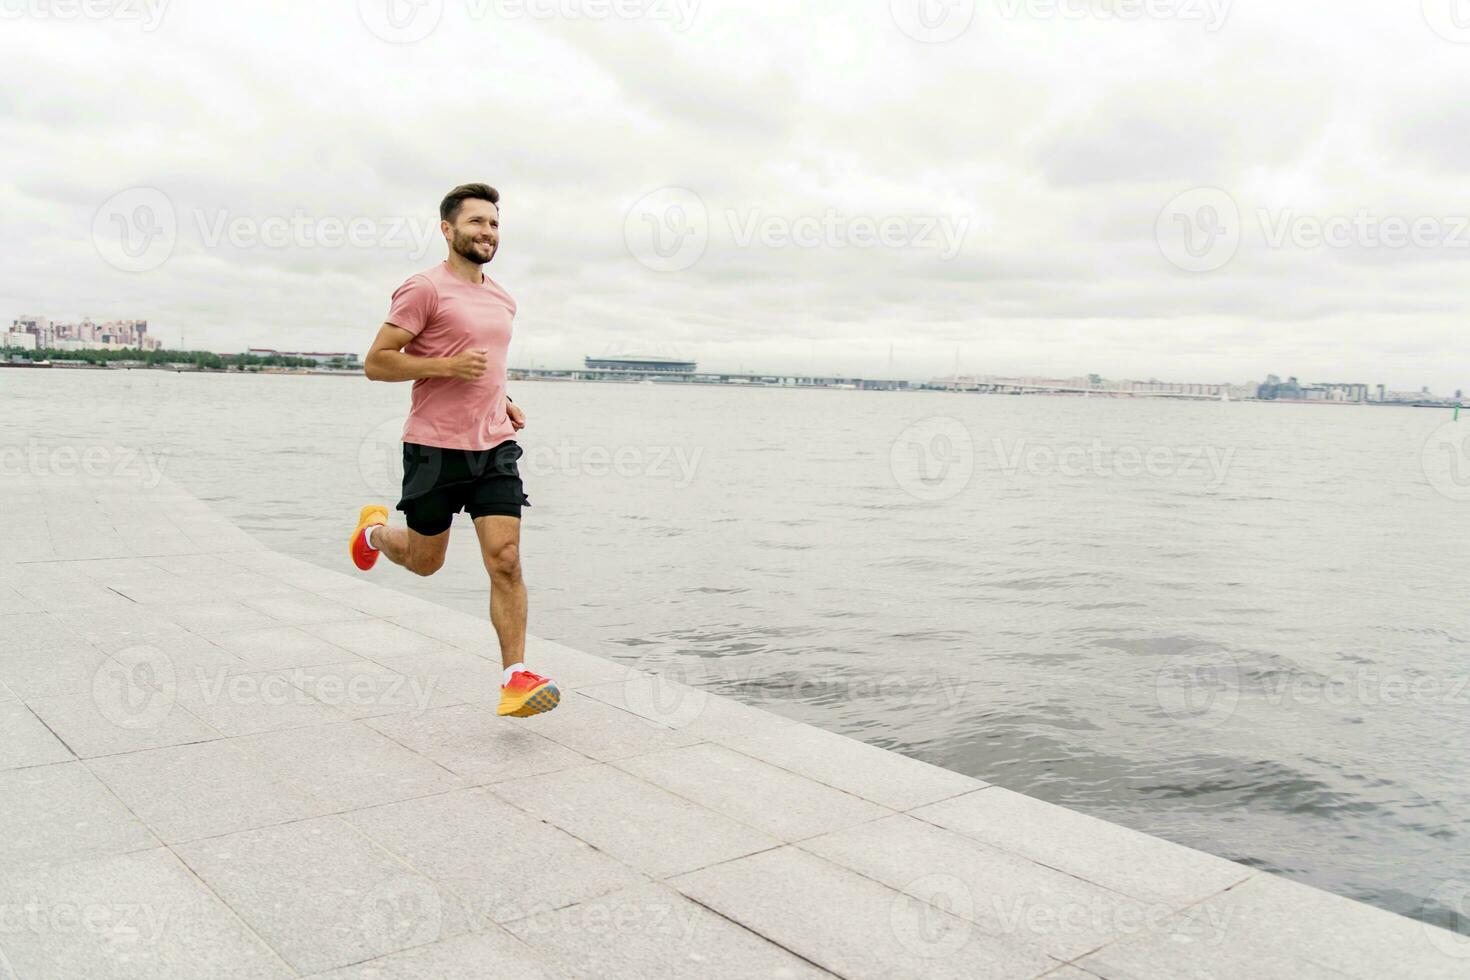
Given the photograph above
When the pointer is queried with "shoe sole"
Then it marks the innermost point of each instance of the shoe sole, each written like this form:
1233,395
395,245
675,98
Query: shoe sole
362,525
542,700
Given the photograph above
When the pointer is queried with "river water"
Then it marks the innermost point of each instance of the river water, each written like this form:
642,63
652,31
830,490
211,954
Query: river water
1238,626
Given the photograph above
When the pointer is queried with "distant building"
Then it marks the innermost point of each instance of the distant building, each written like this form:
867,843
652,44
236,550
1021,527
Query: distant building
1339,392
86,334
1422,396
1327,391
38,327
1178,389
639,364
1275,388
322,358
1094,384
20,341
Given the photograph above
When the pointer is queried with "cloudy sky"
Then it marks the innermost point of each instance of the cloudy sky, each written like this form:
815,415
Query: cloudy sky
1184,189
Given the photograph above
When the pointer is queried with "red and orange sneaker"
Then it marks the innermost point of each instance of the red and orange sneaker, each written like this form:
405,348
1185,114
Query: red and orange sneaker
527,694
363,556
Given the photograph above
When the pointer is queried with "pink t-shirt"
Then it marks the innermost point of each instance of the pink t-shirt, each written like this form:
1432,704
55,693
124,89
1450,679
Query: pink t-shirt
447,316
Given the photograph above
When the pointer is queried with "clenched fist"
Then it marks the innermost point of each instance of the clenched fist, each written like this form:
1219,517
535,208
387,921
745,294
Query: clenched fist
467,365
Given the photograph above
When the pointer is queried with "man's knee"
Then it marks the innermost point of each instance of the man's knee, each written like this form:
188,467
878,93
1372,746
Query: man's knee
425,565
504,561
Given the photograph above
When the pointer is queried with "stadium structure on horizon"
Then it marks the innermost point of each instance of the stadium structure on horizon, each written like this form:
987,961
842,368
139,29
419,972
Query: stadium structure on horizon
639,364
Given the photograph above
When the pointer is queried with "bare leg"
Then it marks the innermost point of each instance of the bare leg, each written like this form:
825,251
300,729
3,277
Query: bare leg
415,552
500,546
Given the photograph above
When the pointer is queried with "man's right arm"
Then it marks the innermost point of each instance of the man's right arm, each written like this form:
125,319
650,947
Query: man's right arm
386,361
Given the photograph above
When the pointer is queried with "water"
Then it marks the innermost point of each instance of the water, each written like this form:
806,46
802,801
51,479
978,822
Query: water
1252,642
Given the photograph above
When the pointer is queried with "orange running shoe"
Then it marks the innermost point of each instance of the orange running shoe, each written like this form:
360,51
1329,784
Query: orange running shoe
363,556
527,694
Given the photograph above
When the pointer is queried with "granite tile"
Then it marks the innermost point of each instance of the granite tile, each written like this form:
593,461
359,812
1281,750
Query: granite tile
25,740
851,925
1103,853
614,812
489,954
81,819
654,933
505,863
322,895
1000,892
188,792
111,720
127,917
348,766
602,732
280,647
757,794
1270,927
473,743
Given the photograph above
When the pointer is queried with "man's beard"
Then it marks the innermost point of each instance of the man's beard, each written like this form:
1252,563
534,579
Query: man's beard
468,248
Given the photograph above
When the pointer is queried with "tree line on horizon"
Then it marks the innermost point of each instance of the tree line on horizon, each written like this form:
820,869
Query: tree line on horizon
203,359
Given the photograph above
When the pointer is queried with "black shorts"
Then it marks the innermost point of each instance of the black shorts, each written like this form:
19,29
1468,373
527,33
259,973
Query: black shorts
439,483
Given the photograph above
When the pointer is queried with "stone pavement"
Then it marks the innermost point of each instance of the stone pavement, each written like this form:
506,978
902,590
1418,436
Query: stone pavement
219,761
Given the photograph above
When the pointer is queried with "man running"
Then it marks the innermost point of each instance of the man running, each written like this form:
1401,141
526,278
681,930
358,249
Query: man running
448,331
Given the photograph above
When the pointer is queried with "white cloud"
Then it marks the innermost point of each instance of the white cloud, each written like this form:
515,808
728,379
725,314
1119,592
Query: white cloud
1053,138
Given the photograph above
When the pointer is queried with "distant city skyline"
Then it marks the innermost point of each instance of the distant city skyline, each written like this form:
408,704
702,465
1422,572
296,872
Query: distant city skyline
1235,388
524,356
40,332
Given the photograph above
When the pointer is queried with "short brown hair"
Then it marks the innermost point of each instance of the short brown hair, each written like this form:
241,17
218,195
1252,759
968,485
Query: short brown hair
449,207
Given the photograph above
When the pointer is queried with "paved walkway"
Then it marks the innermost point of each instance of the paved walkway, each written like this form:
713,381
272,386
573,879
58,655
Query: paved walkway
218,761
